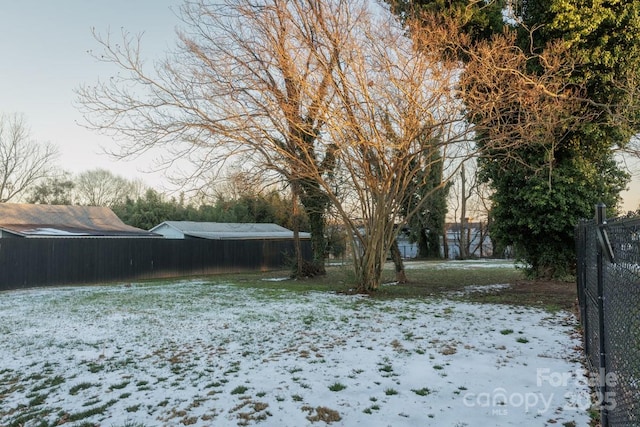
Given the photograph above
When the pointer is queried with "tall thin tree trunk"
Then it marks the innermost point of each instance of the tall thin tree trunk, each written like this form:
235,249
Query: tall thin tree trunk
296,234
445,243
463,215
396,256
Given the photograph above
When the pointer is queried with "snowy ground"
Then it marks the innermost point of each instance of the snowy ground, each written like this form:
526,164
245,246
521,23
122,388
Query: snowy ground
193,353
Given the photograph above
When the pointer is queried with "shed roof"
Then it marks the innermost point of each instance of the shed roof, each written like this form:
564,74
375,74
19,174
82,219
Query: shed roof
230,230
28,220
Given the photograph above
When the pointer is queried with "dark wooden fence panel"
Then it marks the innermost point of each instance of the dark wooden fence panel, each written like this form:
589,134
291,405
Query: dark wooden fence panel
58,261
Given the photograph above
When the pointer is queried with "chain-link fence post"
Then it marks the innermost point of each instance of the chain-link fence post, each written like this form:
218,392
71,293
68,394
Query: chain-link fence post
601,220
581,279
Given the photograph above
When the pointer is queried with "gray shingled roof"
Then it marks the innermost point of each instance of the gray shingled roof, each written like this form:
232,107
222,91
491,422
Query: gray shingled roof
29,220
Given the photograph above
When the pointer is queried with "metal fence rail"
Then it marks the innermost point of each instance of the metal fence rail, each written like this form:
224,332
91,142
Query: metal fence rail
59,261
609,299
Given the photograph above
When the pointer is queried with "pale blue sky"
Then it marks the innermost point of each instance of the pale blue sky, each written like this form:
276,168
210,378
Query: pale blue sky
44,46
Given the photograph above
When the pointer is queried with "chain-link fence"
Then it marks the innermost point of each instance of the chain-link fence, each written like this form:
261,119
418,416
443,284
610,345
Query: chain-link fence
609,298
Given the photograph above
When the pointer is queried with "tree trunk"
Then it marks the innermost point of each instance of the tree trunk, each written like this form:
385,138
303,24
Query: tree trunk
315,205
396,256
318,241
463,216
369,278
299,268
424,249
445,243
369,267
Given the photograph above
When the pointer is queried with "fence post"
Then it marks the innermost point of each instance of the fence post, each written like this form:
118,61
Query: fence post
601,220
581,279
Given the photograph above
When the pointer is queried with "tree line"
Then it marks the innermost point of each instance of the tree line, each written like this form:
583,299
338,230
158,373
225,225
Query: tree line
145,208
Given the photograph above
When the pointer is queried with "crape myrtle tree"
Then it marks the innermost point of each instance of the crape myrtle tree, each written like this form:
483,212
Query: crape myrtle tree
317,91
23,161
542,189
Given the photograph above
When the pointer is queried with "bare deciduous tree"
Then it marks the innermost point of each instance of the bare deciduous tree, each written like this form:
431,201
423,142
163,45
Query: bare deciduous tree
469,208
23,161
99,187
248,79
330,94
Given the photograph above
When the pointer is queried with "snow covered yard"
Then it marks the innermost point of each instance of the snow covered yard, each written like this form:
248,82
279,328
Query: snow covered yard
201,354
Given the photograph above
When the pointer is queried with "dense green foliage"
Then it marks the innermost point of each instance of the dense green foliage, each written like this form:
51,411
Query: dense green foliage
152,209
537,218
536,208
52,191
541,191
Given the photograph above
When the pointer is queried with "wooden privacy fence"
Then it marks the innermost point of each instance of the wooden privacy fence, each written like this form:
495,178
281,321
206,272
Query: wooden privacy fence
59,261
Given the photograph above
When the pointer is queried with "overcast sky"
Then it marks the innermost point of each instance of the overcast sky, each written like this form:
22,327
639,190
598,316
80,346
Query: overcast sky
45,57
45,44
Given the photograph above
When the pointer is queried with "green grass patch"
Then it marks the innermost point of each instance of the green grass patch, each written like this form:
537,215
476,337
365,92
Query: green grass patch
425,281
386,368
337,387
50,382
119,386
239,390
424,391
309,320
431,281
37,399
79,387
95,367
422,281
98,410
371,408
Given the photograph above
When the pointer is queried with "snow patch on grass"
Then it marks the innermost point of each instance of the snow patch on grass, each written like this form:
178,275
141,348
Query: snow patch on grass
193,353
